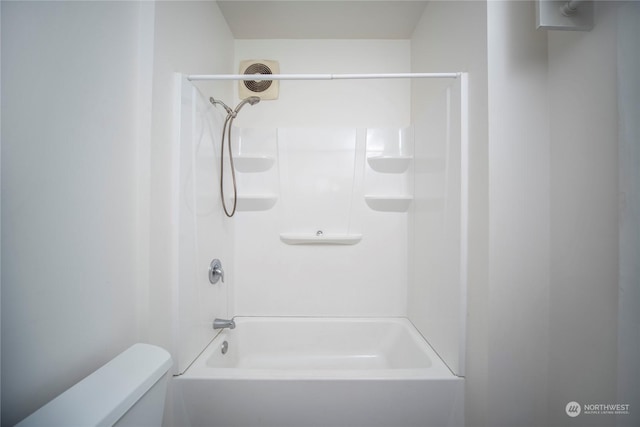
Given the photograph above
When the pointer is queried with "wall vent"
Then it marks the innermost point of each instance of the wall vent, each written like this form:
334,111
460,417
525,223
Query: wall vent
265,89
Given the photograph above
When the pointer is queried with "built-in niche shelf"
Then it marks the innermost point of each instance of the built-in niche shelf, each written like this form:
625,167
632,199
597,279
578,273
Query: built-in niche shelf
248,164
320,239
256,202
389,164
389,203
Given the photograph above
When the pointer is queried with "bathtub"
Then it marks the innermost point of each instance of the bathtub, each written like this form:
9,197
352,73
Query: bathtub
325,372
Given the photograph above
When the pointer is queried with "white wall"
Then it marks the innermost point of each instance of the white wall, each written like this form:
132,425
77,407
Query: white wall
584,217
365,279
449,37
201,232
190,38
86,178
353,103
629,230
551,296
519,224
438,230
70,104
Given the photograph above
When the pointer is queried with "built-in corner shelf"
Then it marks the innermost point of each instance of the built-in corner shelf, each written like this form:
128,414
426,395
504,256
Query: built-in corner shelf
389,164
320,239
389,203
256,202
249,164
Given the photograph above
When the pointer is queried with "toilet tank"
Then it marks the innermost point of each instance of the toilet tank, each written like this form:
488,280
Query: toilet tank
128,391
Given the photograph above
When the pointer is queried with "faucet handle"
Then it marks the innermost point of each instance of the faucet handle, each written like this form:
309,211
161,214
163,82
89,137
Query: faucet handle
216,272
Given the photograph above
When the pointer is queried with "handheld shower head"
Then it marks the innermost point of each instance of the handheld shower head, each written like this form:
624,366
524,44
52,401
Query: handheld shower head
252,100
226,129
226,107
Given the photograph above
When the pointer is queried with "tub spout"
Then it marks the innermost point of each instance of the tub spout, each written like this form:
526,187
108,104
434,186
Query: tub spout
223,323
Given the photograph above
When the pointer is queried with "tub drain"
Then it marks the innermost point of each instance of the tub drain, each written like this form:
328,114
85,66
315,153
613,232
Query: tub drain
224,347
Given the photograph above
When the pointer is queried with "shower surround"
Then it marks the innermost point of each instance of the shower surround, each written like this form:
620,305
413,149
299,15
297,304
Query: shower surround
330,224
344,214
321,233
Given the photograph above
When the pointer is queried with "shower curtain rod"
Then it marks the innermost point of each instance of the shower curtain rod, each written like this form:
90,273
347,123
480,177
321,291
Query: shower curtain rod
198,77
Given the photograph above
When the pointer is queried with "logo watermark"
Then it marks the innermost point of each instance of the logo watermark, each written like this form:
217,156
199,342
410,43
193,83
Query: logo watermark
573,409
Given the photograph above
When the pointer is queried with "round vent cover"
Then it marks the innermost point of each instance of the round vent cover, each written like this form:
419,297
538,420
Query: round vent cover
257,85
261,69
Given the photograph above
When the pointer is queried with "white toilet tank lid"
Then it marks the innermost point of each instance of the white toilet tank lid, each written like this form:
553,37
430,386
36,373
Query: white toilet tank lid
106,395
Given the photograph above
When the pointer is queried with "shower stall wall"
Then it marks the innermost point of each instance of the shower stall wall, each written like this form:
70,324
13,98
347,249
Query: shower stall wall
366,224
331,221
335,228
200,232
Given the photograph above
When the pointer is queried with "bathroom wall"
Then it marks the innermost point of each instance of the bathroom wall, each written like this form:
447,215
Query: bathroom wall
519,223
87,182
438,230
449,37
319,178
584,217
190,38
628,27
72,106
352,103
202,232
543,251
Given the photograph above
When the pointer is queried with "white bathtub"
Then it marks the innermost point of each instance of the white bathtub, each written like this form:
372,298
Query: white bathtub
318,372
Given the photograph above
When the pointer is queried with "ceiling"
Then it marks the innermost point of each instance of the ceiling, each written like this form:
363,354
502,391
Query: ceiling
309,19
